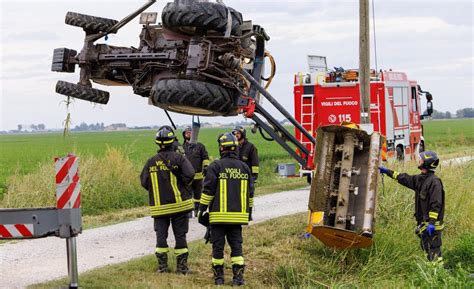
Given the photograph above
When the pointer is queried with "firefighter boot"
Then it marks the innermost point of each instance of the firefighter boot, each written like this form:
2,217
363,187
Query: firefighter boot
182,264
218,274
162,262
238,279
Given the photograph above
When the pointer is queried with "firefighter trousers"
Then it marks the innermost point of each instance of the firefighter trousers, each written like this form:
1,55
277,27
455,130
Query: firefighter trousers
431,245
180,225
233,233
196,187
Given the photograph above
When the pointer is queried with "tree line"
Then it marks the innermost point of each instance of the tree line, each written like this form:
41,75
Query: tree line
467,112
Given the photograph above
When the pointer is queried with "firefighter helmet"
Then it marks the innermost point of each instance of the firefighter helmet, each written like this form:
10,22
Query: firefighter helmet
188,128
165,136
227,141
430,160
240,129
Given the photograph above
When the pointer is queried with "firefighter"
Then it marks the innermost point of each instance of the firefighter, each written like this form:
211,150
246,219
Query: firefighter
167,176
228,193
247,151
429,202
199,158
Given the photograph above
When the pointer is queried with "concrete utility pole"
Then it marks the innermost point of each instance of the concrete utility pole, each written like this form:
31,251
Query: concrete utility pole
364,61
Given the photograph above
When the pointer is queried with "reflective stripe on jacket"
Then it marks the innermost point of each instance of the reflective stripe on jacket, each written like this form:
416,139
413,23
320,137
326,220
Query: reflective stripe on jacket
167,176
249,155
429,196
228,190
198,156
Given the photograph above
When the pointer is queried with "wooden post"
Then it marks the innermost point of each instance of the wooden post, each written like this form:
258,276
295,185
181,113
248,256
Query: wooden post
364,61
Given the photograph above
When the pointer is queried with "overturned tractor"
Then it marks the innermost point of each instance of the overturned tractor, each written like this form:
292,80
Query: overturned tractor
189,63
203,59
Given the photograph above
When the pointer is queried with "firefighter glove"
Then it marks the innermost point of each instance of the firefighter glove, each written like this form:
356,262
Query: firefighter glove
430,229
207,236
383,170
203,218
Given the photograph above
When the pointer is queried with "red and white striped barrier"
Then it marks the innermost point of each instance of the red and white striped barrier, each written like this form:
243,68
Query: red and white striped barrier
68,188
16,230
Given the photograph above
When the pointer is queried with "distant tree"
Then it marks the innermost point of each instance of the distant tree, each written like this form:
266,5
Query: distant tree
34,127
83,126
467,112
20,127
438,115
448,114
41,126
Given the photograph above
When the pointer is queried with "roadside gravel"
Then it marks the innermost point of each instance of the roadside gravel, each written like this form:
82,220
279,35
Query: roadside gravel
34,261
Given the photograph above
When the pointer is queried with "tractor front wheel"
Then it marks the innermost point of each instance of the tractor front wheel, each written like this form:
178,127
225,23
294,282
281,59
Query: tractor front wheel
91,24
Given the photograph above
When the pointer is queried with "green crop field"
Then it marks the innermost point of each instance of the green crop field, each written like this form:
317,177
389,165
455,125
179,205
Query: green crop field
26,170
111,162
449,136
277,256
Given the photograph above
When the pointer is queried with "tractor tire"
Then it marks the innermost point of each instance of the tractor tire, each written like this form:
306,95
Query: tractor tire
203,15
82,92
91,24
194,97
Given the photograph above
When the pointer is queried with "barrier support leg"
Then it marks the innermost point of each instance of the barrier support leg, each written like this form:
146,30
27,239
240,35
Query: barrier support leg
72,262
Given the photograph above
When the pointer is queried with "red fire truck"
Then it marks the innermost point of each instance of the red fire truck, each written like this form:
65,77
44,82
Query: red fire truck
328,98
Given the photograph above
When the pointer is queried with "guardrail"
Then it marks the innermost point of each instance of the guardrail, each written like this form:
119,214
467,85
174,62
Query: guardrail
63,221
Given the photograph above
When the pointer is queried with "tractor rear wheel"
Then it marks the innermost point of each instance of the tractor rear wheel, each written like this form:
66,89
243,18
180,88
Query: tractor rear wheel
91,24
200,15
194,97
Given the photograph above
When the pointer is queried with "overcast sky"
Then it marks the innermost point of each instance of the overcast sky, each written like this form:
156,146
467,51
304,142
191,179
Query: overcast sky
432,41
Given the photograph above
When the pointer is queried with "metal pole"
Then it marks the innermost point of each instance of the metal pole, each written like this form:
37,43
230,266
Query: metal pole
72,262
364,61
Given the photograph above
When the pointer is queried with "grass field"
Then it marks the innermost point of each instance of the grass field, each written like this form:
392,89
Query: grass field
278,257
111,162
449,136
109,169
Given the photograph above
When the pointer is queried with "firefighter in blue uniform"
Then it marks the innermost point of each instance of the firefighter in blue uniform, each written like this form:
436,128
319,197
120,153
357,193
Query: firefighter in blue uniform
429,202
167,176
228,193
197,154
247,151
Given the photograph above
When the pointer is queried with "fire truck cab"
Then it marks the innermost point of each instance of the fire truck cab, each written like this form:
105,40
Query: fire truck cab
329,98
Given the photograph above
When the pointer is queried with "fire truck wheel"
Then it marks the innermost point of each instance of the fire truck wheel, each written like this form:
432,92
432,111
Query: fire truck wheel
200,15
400,154
194,97
91,24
